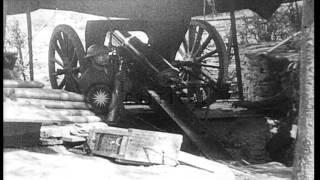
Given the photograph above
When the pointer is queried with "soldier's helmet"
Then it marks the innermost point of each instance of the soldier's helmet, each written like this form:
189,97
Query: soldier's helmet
95,50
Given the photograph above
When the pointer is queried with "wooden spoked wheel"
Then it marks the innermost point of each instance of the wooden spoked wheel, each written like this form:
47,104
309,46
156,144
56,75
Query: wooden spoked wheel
203,60
65,52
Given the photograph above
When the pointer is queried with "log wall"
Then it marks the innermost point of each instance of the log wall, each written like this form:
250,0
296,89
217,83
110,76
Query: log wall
262,75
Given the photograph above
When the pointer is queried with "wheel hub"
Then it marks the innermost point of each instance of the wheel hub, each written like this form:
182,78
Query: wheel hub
188,57
98,97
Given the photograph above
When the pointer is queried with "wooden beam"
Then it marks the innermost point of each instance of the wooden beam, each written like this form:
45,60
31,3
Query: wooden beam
304,159
30,40
236,53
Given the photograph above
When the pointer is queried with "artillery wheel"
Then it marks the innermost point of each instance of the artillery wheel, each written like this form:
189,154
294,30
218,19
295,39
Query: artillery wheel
65,52
206,53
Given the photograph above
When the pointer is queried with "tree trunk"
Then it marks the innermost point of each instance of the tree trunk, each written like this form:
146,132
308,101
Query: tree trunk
21,62
304,150
30,40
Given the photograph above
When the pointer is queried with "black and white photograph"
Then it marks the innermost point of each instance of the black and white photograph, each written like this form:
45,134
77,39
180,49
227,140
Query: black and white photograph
158,89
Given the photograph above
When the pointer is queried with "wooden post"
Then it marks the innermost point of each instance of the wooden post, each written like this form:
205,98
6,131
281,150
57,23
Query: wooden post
236,54
30,40
304,150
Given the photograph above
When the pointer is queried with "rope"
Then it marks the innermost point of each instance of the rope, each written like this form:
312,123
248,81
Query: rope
35,34
204,10
45,25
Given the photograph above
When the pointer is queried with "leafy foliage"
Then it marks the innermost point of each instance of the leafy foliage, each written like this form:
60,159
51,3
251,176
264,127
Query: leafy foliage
15,38
284,22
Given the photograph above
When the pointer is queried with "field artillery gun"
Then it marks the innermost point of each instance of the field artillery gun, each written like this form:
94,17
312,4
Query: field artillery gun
182,60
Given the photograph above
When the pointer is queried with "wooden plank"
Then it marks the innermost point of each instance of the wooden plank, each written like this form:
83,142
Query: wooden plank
48,94
55,131
73,139
50,141
220,114
20,134
21,84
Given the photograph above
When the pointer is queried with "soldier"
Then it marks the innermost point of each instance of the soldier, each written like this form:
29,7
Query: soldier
99,56
102,82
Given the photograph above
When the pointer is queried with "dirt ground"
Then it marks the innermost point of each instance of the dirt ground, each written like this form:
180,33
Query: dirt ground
57,163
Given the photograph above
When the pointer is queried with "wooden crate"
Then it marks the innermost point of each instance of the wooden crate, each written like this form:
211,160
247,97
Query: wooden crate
136,146
21,134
